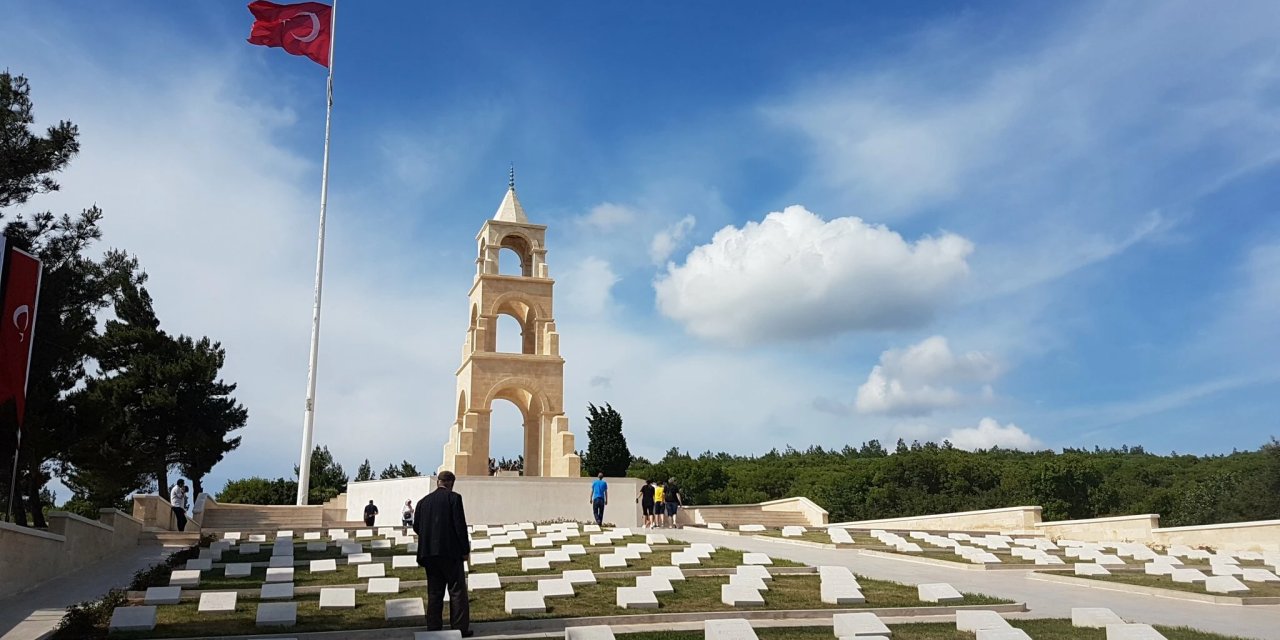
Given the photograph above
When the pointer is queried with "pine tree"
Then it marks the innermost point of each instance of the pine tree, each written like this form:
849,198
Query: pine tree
607,450
365,472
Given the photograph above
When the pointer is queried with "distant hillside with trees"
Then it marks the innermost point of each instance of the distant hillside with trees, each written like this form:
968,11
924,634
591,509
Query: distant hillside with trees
870,482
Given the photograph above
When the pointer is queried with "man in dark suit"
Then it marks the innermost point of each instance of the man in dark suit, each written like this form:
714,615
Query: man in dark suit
443,545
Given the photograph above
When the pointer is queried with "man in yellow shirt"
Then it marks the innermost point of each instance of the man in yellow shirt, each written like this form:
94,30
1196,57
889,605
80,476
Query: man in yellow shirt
659,497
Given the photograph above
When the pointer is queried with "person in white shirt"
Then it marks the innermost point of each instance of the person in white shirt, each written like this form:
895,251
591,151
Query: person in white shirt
178,498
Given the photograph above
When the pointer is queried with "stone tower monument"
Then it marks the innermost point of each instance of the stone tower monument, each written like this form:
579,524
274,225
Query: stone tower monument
533,379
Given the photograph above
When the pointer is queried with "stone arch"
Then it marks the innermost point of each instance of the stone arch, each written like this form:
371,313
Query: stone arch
522,246
533,404
527,314
462,404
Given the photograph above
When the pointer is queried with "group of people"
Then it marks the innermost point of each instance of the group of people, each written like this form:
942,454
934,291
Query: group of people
659,502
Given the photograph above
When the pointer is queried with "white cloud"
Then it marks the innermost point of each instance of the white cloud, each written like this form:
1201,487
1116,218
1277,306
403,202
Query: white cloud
924,377
607,216
665,242
990,434
584,289
794,275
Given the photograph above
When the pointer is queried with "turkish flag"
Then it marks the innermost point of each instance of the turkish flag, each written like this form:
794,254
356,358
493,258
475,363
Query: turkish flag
301,29
17,325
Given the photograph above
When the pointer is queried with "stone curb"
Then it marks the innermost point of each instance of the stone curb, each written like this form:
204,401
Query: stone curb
661,621
805,543
1173,594
949,563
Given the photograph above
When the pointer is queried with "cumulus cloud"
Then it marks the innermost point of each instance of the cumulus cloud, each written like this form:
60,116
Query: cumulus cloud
924,377
990,434
607,216
665,242
794,275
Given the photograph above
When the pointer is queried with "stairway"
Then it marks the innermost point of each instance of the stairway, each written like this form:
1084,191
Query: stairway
152,536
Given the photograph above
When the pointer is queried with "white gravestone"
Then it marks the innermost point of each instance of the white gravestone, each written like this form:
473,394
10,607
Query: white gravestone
555,588
359,558
324,566
184,578
199,564
409,562
217,601
407,609
1094,617
483,581
740,596
277,614
590,632
579,576
371,570
857,625
939,592
1224,584
238,569
656,584
731,629
133,618
280,574
276,591
518,602
162,595
973,620
337,598
636,598
384,585
672,574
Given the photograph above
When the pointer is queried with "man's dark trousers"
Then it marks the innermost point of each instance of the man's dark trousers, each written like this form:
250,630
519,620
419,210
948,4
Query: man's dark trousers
445,573
181,515
597,509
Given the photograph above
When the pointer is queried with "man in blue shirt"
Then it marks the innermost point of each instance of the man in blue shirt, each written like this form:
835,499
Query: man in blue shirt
599,497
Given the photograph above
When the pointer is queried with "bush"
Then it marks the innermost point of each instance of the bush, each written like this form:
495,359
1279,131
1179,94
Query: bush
90,619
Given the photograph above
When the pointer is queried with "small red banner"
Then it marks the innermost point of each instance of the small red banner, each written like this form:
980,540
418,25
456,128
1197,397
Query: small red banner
301,29
17,325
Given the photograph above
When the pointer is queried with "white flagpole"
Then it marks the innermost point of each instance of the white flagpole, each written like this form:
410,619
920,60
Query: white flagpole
309,413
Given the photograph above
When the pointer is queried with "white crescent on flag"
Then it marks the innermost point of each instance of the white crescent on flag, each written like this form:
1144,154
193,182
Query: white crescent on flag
315,27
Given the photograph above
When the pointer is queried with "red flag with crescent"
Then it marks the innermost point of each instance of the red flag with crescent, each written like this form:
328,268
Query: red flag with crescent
301,29
17,325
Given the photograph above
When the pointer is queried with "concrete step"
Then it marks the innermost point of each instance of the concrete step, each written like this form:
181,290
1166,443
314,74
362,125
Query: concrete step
168,538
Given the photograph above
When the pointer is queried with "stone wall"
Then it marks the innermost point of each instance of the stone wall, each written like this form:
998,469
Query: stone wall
1114,529
29,557
494,500
773,513
1260,535
1007,519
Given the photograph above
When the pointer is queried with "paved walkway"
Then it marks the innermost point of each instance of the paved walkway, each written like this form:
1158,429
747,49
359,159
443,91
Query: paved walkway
1044,599
31,614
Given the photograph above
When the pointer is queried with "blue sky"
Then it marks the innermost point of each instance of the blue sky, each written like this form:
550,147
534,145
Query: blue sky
1014,224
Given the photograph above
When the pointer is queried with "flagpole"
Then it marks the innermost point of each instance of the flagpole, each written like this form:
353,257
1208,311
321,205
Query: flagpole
309,412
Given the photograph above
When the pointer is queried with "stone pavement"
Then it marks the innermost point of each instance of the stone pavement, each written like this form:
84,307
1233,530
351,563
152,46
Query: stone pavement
1044,599
31,614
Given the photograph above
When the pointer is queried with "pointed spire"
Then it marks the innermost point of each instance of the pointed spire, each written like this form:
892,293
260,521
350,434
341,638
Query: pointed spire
510,209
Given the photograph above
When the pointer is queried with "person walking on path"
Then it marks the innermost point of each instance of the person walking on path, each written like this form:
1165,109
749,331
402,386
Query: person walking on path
659,506
178,500
599,498
406,516
673,500
443,545
645,498
370,513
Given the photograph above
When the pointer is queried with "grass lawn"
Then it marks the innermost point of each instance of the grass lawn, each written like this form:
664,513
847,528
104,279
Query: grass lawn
1256,589
694,594
1038,629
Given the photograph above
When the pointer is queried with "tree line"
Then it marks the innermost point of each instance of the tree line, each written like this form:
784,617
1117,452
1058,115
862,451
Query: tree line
327,481
114,402
869,482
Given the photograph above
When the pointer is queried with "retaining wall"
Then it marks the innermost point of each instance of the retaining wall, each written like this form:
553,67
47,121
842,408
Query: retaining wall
996,520
1114,529
29,557
1259,535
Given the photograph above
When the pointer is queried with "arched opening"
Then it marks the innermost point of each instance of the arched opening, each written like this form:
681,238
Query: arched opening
506,436
462,404
516,257
510,334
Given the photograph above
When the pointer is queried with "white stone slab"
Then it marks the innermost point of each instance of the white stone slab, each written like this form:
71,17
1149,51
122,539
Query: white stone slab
579,576
1226,570
316,547
557,556
756,558
524,602
702,549
1009,633
939,592
534,563
277,614
384,585
1259,575
856,625
280,561
371,570
612,561
413,609
1094,617
231,535
324,566
590,632
279,574
483,581
656,538
133,618
840,593
751,528
636,598
337,598
249,548
482,559
1188,575
238,569
1133,632
590,528
381,544
715,525
555,588
162,595
627,554
212,555
505,552
730,629
756,570
360,558
672,574
656,584
199,564
258,537
748,581
217,602
685,558
349,548
409,562
972,620
364,533
276,591
740,596
1090,569
1225,584
184,578
311,535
